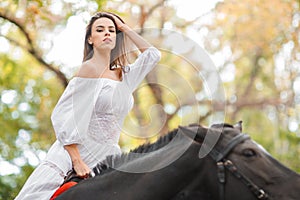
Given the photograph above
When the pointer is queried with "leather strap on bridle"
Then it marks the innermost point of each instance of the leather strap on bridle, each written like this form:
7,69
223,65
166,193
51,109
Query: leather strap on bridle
217,156
223,164
259,193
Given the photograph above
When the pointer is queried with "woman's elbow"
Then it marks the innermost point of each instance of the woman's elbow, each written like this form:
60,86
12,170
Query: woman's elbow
156,55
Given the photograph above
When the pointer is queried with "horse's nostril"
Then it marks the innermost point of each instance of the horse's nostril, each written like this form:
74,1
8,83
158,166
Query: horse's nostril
183,194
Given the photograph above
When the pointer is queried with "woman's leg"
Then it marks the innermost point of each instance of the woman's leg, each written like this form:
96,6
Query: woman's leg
42,183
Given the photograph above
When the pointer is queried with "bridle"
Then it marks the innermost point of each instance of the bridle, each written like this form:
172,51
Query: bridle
222,164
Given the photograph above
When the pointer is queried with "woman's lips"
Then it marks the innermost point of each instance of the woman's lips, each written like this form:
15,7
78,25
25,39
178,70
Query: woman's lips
107,39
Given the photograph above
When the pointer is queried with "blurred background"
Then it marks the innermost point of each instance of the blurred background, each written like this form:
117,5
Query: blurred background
254,46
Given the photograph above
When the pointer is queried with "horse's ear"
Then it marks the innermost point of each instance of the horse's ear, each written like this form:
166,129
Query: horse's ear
194,131
239,126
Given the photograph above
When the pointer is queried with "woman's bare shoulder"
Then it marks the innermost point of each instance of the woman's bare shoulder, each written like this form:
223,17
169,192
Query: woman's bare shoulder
87,70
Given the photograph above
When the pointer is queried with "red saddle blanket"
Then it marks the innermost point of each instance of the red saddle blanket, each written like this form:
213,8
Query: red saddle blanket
70,180
62,189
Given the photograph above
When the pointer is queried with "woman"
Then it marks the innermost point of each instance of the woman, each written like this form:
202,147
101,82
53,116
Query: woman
89,115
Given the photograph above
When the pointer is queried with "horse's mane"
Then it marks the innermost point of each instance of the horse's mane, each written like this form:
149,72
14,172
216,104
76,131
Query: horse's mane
108,164
162,141
221,126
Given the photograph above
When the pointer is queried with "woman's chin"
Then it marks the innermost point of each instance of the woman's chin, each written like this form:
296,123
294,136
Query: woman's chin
107,47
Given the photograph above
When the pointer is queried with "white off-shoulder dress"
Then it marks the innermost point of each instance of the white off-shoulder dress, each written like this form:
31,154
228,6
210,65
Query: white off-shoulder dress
89,113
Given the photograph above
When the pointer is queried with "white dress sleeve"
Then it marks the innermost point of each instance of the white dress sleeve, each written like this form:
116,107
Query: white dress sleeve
145,62
71,115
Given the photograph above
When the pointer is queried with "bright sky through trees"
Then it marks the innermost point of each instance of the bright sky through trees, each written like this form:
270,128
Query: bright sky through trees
68,44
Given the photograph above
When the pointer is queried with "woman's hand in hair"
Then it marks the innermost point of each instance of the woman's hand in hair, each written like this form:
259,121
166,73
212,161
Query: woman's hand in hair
120,24
138,40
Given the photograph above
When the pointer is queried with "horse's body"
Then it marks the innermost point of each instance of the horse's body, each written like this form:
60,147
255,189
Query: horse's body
188,176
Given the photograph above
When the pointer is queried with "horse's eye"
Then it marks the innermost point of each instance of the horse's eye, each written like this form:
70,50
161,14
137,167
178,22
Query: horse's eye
249,153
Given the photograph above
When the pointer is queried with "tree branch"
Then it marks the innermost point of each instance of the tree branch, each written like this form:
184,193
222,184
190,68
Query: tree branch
39,59
31,49
145,15
253,75
18,23
258,104
151,10
151,79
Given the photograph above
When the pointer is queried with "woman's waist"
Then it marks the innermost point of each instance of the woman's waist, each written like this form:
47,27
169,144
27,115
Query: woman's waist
101,140
103,134
93,154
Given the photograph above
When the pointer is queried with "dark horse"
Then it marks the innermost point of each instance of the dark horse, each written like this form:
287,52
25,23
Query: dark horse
192,162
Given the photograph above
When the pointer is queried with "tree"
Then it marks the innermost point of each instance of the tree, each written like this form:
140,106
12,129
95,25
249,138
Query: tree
262,42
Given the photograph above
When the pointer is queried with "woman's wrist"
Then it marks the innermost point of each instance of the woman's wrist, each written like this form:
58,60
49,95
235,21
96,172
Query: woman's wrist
74,154
75,160
124,28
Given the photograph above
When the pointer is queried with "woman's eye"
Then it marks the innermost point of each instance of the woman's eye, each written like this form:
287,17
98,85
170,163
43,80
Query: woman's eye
100,30
249,153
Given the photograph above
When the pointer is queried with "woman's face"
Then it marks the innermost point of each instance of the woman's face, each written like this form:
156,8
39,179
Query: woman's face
103,34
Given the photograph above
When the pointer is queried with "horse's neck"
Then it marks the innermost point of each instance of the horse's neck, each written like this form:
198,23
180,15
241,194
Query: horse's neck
159,174
168,171
155,160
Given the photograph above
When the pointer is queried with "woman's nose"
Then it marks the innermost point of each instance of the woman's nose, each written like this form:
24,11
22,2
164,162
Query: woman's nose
107,33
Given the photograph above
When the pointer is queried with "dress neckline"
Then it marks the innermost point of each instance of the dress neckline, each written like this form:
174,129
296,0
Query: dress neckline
100,78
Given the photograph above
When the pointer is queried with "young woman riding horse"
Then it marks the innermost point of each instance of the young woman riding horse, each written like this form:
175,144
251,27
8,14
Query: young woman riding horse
89,115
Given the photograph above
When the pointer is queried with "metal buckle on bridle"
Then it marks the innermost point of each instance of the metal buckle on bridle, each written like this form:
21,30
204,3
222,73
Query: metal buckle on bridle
262,194
221,172
221,178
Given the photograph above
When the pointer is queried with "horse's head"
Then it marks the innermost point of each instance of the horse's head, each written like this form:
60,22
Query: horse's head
255,174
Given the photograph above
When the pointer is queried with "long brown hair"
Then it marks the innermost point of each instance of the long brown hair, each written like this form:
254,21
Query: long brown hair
118,56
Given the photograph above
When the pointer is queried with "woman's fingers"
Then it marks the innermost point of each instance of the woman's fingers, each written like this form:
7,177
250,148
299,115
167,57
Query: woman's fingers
83,173
84,176
118,21
82,170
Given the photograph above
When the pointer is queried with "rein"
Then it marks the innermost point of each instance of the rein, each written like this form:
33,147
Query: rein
223,164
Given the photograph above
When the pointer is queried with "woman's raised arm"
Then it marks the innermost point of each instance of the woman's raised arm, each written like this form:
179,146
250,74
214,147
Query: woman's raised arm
138,40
